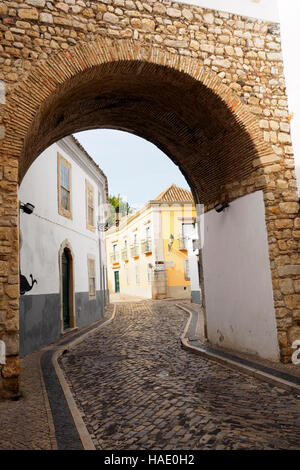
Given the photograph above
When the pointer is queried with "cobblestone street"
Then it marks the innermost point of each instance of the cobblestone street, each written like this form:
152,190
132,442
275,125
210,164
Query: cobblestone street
138,389
27,424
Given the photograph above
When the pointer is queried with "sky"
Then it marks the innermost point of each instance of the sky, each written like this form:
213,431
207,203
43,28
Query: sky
135,168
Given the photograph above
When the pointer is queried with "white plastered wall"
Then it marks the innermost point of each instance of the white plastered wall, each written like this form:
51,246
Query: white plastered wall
237,279
43,231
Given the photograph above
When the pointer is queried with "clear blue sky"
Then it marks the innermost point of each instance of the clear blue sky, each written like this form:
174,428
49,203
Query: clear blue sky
134,167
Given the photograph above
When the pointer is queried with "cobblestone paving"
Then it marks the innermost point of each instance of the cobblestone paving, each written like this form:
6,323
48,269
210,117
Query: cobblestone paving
138,389
25,424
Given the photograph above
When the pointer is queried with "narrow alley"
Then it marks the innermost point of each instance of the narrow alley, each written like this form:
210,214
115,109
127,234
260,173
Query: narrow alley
138,389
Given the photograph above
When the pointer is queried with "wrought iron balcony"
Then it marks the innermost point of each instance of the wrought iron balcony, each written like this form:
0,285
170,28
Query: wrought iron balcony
114,257
125,254
134,250
146,245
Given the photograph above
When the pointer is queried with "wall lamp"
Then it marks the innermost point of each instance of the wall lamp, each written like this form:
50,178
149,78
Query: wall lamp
27,208
171,240
221,206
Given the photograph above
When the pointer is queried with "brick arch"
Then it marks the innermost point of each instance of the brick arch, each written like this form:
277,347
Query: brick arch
177,91
172,100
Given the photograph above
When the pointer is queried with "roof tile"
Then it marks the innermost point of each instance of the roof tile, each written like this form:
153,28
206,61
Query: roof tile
175,194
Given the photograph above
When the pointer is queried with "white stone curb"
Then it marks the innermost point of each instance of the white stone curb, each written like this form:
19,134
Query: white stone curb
247,370
79,423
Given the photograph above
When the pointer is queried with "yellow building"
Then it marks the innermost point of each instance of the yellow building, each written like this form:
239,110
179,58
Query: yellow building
147,252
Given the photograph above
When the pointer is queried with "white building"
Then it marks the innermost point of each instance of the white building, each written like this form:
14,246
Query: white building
61,244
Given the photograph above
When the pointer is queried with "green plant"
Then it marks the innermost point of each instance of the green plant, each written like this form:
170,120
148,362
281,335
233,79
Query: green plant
117,205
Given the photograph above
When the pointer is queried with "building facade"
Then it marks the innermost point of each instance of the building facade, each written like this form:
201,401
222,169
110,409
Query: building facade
62,255
148,251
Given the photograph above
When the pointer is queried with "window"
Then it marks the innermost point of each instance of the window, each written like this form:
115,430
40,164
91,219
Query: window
115,253
64,182
134,247
127,275
90,206
92,277
137,275
186,270
148,247
187,234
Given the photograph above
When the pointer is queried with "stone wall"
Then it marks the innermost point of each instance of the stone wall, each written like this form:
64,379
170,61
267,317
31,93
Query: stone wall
231,134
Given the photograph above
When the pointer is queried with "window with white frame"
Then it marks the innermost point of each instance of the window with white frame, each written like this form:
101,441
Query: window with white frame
90,206
148,239
92,277
115,253
137,275
186,270
64,186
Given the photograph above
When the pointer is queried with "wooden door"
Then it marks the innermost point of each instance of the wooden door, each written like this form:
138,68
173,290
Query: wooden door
66,290
117,281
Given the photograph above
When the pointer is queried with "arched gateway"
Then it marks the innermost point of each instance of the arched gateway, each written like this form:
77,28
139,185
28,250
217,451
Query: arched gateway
186,105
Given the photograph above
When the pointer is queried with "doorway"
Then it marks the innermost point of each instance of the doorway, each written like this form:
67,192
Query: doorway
117,282
67,288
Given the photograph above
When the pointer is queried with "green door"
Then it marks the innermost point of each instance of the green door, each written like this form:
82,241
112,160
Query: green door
117,282
65,290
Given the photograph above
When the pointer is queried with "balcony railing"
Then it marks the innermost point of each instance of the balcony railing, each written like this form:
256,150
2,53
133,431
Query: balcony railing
183,243
146,245
114,258
134,250
125,254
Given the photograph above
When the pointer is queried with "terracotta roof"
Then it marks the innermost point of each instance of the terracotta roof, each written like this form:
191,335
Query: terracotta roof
175,194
